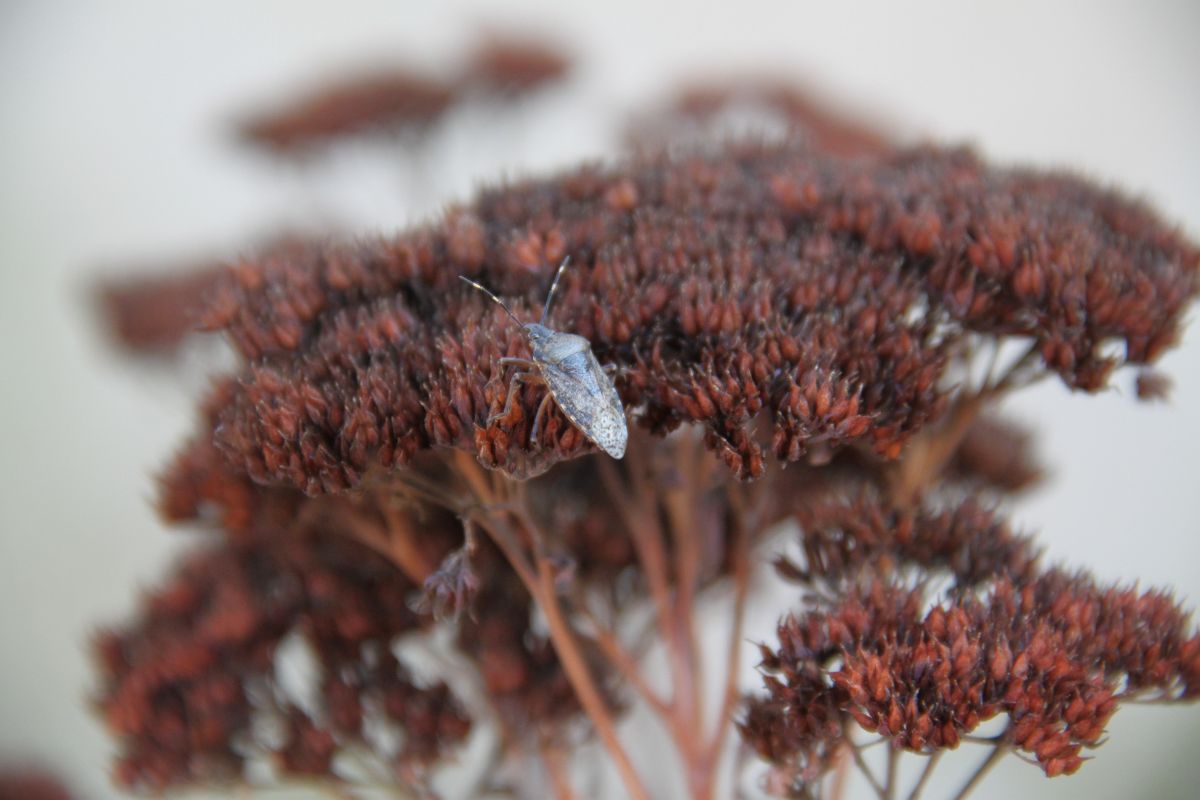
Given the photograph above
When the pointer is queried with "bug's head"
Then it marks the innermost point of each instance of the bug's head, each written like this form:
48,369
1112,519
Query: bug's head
537,333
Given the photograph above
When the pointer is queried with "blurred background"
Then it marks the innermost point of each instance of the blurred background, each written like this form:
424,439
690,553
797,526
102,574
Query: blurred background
117,155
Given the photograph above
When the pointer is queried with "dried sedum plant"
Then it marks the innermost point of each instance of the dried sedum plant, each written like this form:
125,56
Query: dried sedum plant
808,338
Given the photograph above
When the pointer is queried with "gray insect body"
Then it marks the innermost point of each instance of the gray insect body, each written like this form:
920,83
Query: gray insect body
573,378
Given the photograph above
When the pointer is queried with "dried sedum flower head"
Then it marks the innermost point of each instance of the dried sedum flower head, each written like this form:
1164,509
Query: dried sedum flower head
31,783
1053,651
156,314
153,309
822,299
386,100
508,65
707,111
189,688
501,68
744,289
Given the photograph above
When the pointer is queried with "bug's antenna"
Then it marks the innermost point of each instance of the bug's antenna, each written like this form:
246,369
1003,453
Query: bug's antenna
497,300
553,287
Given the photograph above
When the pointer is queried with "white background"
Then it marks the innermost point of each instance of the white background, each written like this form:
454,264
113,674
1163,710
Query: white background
114,150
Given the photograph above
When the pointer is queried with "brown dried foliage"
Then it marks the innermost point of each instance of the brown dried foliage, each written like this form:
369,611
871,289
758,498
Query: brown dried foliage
385,100
1152,385
152,310
824,297
700,111
1054,651
994,453
769,297
31,783
506,65
184,686
155,314
393,100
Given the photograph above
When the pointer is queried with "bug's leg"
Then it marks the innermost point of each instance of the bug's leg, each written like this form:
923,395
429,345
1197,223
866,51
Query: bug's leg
610,369
508,398
520,377
524,363
539,416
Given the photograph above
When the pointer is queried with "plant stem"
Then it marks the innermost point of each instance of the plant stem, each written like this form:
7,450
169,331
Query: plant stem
556,769
741,584
930,764
648,544
893,761
861,763
837,787
625,663
575,666
539,581
680,502
998,751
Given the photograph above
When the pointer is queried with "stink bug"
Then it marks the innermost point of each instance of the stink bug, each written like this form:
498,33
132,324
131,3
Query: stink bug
573,377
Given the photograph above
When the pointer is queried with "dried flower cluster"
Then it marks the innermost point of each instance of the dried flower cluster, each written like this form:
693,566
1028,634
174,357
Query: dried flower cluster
155,309
1052,650
187,686
396,100
829,294
31,783
156,314
701,112
821,298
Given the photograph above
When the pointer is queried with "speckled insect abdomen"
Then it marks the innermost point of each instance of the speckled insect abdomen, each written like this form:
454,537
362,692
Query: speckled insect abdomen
589,399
